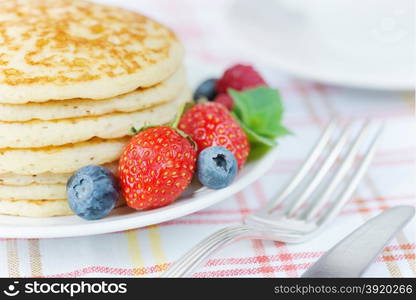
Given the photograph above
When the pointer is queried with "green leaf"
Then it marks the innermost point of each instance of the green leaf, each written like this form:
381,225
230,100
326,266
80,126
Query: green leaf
257,151
260,112
254,138
260,109
282,131
259,145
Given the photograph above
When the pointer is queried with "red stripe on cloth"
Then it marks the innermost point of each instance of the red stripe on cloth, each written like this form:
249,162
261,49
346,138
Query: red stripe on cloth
187,221
236,272
286,256
410,246
391,198
113,271
368,209
248,210
296,256
280,247
262,259
251,260
407,256
217,262
257,245
251,271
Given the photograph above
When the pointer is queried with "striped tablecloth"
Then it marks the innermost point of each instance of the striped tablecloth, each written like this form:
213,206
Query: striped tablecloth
149,251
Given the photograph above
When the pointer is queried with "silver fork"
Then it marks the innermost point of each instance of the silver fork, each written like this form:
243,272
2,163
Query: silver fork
296,217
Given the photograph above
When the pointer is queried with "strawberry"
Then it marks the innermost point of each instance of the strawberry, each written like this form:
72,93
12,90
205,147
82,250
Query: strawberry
155,167
211,124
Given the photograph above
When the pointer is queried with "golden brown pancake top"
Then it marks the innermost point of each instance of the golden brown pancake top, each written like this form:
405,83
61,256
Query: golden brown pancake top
68,41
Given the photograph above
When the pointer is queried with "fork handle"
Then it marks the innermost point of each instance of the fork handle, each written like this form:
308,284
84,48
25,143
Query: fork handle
185,266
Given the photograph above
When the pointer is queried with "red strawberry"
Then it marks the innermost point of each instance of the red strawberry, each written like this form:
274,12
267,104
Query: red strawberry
240,78
155,167
211,124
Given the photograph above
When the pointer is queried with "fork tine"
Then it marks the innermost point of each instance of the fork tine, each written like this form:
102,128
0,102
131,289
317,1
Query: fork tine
339,175
316,180
306,166
355,180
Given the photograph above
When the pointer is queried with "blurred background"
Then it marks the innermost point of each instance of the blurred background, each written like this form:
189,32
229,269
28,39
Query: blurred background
362,44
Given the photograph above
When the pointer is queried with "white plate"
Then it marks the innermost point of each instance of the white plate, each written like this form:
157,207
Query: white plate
289,43
125,218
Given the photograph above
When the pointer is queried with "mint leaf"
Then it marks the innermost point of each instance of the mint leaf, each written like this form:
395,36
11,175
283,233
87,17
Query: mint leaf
259,145
281,131
257,151
254,138
259,111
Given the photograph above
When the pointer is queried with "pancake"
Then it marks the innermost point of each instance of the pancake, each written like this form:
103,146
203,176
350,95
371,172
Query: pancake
63,159
33,192
44,178
33,134
23,180
139,99
65,49
39,208
35,208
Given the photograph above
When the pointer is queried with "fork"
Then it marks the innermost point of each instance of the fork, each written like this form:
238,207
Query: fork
298,212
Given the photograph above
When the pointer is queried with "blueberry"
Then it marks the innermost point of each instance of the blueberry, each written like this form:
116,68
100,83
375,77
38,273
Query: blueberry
206,90
217,167
92,192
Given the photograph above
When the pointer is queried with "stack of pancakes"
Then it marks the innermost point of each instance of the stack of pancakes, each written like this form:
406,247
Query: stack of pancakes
75,78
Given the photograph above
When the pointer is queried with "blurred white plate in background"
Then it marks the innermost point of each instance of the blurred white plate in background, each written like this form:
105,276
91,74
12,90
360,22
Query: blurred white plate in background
286,40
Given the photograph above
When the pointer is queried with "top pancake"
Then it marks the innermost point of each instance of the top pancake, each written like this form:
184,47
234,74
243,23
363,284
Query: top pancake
64,49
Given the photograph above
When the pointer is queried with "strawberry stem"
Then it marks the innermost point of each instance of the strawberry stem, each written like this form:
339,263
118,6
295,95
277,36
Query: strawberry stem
184,107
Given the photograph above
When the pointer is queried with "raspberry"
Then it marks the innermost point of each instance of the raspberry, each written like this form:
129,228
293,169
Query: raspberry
225,100
239,77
